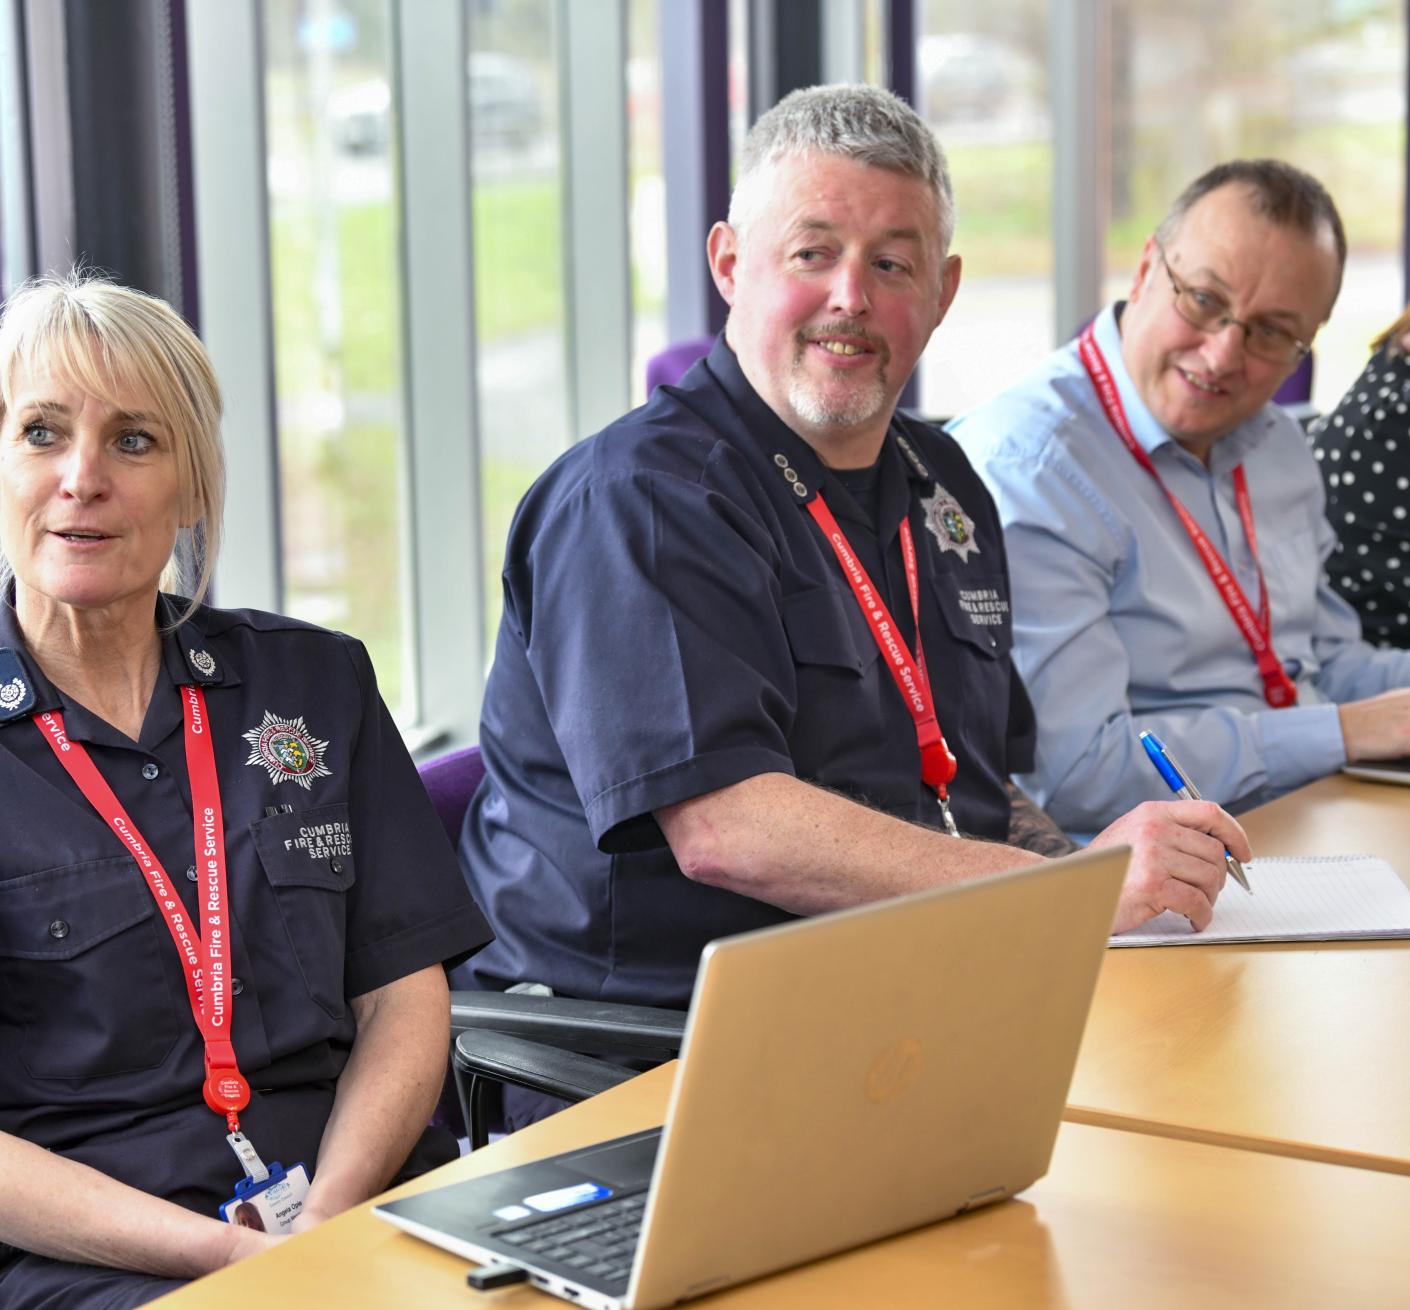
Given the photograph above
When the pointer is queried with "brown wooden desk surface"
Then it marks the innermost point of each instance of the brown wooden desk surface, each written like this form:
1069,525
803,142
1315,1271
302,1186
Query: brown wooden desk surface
1336,816
1302,1049
1122,1219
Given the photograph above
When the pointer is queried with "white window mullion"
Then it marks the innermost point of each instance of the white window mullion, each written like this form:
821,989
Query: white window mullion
439,354
1081,187
595,211
232,264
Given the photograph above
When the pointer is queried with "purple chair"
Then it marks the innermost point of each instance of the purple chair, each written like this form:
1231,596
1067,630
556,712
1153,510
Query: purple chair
544,1043
1295,395
450,781
670,366
1297,386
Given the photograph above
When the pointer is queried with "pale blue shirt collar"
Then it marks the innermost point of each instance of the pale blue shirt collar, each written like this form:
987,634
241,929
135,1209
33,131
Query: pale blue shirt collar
1229,450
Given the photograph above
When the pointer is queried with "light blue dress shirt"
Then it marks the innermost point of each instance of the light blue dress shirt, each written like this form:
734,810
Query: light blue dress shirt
1118,626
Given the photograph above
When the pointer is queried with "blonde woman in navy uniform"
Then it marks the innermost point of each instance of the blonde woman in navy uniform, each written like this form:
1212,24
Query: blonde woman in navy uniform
225,902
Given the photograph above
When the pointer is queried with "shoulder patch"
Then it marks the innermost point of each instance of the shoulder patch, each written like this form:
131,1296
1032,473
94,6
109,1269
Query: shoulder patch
17,696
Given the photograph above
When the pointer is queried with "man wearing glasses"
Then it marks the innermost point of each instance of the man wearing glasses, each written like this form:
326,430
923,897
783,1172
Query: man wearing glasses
1164,521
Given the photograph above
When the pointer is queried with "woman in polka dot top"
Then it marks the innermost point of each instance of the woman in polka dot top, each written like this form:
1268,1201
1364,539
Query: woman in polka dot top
1363,449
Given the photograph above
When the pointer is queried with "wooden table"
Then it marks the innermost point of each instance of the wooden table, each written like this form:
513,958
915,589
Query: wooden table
1336,816
1122,1219
1301,1049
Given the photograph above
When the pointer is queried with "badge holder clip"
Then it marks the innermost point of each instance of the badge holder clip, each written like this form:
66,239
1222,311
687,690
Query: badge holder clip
255,1170
949,818
268,1197
248,1187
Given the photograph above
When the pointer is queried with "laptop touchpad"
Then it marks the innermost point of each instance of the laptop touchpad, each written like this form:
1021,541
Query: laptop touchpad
620,1164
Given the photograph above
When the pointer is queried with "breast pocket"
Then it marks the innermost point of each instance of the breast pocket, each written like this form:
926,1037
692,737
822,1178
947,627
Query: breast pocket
1292,565
972,684
976,610
838,685
308,860
826,630
81,971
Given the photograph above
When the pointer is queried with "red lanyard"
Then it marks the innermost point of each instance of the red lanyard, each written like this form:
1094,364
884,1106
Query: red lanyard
207,968
1278,689
937,764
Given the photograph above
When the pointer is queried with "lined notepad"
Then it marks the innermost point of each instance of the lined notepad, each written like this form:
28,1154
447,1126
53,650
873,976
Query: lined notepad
1307,898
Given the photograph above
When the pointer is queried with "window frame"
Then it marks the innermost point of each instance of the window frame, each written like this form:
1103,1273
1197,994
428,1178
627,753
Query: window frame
430,45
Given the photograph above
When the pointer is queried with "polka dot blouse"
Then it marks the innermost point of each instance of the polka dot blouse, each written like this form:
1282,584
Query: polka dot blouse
1363,450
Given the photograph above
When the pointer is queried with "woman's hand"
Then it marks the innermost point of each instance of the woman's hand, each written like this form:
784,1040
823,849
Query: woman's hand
244,1242
308,1217
60,1208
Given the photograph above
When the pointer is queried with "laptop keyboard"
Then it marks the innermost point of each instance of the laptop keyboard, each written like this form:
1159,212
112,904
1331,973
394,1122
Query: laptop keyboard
600,1240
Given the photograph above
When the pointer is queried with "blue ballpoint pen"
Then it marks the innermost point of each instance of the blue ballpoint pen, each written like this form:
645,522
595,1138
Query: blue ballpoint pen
1179,782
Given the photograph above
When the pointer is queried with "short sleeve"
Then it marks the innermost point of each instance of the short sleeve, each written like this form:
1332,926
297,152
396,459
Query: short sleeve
408,907
651,612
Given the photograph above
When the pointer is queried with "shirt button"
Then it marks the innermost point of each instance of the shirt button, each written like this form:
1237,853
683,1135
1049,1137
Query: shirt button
191,872
58,930
237,986
150,771
336,866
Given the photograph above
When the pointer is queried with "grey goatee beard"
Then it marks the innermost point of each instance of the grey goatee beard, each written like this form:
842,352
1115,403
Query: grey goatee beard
861,401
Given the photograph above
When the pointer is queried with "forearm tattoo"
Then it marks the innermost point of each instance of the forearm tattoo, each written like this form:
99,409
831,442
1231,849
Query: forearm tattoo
1031,829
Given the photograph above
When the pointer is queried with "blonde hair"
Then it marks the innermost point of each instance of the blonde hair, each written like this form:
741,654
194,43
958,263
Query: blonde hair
1392,335
104,337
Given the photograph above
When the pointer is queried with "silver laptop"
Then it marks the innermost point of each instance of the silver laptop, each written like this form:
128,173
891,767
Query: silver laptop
843,1078
1397,771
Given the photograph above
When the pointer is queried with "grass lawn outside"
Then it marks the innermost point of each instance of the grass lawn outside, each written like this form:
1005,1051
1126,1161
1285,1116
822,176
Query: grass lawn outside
352,348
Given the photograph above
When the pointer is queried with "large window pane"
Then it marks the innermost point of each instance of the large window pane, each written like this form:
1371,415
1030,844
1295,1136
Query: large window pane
330,116
518,216
738,36
1318,82
648,188
982,84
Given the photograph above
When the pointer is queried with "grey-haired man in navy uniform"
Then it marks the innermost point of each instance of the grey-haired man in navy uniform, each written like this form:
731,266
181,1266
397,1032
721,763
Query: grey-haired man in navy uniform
690,728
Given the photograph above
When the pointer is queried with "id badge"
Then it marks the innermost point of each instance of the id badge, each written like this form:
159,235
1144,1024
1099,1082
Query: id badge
271,1204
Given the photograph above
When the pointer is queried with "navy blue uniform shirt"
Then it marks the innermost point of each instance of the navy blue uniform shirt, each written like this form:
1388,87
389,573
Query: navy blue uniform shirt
674,622
340,881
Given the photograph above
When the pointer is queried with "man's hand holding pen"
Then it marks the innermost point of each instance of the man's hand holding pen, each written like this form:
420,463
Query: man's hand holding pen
1177,860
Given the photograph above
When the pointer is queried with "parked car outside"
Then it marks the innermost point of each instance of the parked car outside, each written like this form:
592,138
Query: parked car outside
506,107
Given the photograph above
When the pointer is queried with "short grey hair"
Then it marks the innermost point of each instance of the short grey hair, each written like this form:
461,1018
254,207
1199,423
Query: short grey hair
861,123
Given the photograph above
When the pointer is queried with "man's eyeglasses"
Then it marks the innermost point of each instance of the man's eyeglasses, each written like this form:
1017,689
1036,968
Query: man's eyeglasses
1209,312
